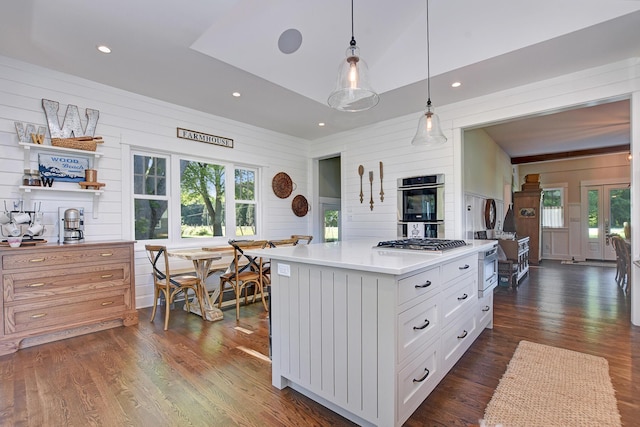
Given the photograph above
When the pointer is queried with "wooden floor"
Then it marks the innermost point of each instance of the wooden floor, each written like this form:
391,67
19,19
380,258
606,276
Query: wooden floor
218,374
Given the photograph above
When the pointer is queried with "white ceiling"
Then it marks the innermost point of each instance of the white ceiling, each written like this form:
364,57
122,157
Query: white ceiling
196,52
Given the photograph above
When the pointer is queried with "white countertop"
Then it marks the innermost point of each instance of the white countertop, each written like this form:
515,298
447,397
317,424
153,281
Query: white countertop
363,255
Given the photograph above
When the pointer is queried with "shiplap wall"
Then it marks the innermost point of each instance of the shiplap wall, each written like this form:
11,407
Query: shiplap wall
128,121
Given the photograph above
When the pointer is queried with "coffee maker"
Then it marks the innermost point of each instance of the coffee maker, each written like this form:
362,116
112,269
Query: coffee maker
71,225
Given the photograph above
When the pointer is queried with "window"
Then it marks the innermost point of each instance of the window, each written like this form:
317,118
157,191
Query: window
553,207
205,196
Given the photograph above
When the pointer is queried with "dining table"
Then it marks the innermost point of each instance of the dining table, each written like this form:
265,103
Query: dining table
203,264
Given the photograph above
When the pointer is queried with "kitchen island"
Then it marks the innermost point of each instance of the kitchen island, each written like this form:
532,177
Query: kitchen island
370,332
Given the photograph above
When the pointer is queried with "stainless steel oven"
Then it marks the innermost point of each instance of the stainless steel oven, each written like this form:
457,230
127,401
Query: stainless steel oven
421,206
487,271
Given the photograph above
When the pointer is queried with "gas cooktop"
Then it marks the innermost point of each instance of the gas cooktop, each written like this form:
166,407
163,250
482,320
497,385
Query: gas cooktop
434,245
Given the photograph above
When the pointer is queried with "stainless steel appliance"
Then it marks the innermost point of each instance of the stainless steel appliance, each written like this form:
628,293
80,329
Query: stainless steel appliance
427,244
71,225
421,206
487,271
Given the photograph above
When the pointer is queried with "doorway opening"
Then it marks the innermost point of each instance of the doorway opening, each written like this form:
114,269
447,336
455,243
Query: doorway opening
328,219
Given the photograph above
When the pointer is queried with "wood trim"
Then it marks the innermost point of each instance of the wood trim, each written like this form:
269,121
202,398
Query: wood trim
569,154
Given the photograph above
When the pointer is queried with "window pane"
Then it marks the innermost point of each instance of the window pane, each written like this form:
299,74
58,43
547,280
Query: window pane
552,198
331,225
202,187
594,209
245,219
245,183
149,175
151,219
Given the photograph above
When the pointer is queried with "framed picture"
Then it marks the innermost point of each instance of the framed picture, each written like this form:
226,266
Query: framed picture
62,167
527,213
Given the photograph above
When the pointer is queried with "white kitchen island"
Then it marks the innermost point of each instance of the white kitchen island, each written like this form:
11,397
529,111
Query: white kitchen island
370,332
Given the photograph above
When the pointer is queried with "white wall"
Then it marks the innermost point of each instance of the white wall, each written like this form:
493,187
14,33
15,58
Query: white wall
129,120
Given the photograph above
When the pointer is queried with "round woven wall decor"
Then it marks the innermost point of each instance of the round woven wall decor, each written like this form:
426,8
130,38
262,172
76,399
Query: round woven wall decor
300,206
282,185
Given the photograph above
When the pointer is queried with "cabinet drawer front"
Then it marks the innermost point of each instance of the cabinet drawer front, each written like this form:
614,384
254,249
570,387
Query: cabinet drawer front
459,267
457,296
484,311
417,380
414,287
37,284
417,326
70,312
57,257
457,338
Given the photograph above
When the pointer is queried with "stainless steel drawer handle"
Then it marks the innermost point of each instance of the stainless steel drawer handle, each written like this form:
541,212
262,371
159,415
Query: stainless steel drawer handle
464,334
107,303
106,276
464,267
36,260
38,316
423,378
424,285
107,254
463,297
426,323
486,308
35,285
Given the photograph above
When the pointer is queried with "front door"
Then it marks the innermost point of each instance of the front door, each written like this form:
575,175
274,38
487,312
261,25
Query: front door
607,208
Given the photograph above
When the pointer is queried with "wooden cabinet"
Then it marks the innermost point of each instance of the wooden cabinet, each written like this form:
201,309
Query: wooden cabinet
517,251
528,217
53,292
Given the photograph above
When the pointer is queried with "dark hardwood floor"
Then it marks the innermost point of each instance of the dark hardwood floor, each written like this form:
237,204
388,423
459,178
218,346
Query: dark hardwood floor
217,374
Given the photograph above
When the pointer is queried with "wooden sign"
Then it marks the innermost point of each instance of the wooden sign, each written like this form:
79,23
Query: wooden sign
205,137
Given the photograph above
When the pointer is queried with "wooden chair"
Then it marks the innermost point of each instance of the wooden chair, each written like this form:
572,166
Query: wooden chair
244,271
302,238
623,262
167,284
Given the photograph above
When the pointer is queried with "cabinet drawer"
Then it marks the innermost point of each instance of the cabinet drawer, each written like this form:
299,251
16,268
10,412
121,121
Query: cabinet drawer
418,379
484,311
37,284
459,267
417,326
55,257
457,296
414,287
72,311
456,339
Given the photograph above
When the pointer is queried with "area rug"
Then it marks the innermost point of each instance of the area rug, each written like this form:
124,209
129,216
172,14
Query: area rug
549,386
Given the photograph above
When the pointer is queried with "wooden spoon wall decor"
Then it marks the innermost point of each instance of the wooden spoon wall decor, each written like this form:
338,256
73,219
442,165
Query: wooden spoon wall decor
371,183
381,190
361,172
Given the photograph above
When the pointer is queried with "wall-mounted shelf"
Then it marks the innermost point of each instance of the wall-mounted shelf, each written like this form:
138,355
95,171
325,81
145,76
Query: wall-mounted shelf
95,155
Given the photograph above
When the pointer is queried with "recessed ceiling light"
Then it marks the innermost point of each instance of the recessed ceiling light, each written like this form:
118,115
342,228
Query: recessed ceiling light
104,49
321,124
456,84
236,94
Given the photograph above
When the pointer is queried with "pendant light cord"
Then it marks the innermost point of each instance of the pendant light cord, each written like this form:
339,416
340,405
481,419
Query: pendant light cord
353,40
428,63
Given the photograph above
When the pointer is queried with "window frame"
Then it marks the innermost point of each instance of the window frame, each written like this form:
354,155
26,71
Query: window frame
563,188
173,196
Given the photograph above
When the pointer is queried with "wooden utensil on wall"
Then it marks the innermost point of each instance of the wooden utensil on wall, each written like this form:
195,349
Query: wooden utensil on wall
371,183
381,190
361,172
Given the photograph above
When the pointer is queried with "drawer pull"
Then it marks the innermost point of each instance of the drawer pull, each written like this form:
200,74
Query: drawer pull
486,308
38,316
463,297
107,254
106,276
36,260
464,334
35,285
426,323
107,303
424,285
464,267
423,378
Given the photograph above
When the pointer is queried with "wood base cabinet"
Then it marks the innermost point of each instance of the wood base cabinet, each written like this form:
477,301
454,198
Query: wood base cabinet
54,292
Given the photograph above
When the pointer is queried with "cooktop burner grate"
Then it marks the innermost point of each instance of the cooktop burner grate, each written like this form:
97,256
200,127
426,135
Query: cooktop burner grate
423,244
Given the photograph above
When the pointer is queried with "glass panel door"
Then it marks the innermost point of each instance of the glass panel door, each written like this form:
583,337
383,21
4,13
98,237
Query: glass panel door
331,223
608,207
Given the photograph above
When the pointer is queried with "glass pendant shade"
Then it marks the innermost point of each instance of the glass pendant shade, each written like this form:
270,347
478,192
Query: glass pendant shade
429,131
353,91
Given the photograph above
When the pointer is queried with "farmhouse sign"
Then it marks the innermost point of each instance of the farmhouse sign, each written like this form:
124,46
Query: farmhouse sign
205,137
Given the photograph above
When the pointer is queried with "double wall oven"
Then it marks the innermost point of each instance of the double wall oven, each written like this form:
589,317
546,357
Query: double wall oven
421,206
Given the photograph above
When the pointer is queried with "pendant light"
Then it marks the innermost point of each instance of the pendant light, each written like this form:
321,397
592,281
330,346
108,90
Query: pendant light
353,91
429,131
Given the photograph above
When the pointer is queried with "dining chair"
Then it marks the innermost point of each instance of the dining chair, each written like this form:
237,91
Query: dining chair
623,261
302,238
245,270
167,284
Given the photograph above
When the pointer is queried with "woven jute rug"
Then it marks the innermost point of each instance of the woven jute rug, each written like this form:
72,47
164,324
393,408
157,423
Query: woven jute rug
549,386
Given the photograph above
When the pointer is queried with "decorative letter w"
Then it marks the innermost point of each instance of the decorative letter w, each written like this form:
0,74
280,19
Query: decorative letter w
72,126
